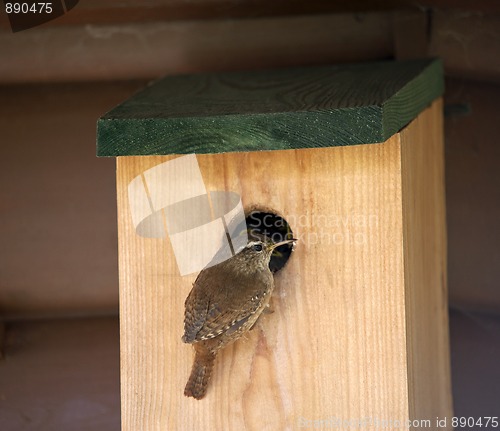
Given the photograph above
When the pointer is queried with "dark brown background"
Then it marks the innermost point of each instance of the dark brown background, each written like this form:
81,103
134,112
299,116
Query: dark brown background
58,262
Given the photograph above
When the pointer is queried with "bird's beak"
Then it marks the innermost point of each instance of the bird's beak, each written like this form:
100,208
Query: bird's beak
288,241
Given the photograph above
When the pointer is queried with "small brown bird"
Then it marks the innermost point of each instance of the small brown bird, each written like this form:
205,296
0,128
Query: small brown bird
225,302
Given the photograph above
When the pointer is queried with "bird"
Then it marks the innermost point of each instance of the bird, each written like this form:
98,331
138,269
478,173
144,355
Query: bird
225,302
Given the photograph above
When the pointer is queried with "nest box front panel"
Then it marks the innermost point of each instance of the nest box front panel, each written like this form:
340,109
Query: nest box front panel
336,339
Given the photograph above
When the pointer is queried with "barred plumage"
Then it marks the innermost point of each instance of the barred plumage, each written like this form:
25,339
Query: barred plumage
226,300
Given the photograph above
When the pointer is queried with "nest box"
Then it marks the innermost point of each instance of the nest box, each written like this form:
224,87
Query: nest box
348,159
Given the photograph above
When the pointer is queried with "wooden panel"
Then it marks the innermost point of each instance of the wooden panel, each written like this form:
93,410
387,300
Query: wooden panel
113,12
271,110
468,43
58,207
473,194
151,50
126,11
424,224
61,375
337,341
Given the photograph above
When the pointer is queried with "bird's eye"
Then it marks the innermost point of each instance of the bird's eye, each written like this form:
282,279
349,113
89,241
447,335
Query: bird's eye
257,247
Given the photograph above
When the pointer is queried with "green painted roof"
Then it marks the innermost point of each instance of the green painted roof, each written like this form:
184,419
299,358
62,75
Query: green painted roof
279,109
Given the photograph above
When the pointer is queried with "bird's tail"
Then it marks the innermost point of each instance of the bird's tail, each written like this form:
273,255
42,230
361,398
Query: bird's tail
203,365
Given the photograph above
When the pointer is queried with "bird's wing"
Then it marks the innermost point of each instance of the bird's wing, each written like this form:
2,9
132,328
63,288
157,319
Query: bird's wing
230,319
197,306
207,318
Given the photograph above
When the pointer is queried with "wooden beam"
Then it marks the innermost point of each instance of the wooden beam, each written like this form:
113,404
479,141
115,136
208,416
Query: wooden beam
104,12
132,50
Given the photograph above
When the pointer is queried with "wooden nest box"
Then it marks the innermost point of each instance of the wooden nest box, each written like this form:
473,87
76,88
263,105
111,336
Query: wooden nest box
351,157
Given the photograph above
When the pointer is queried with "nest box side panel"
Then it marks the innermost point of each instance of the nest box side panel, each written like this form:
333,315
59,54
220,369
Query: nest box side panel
424,224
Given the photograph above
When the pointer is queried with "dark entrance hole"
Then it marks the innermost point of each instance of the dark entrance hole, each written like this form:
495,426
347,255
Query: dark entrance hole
269,223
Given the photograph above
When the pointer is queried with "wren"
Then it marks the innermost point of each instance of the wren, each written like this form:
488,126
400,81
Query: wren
225,302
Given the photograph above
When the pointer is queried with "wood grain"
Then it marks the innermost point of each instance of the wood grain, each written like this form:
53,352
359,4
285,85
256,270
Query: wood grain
424,224
338,342
138,50
271,110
